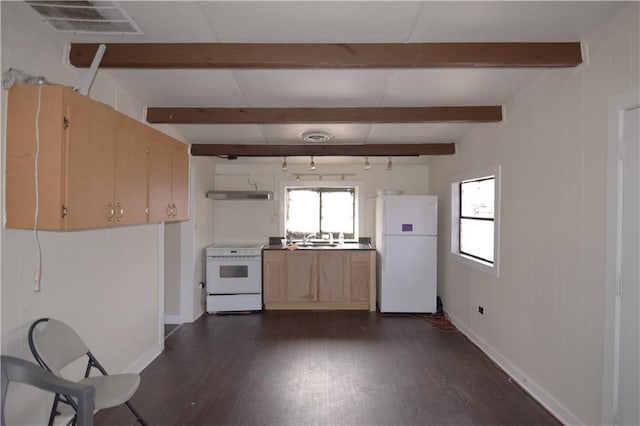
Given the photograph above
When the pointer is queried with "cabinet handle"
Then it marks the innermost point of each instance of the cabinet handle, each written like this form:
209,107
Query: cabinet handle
120,212
111,212
174,210
169,210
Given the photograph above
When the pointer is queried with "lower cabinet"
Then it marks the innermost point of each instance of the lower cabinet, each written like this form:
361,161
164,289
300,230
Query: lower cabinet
273,276
308,279
361,277
333,276
301,277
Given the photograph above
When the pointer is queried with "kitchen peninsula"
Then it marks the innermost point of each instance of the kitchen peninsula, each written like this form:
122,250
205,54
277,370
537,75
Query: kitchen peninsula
320,276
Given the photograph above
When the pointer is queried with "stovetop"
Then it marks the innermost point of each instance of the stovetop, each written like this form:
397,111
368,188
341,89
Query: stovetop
257,246
235,249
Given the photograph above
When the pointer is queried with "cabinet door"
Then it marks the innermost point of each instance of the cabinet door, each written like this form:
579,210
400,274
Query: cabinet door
90,163
20,154
360,276
274,276
131,173
160,163
180,181
332,276
301,277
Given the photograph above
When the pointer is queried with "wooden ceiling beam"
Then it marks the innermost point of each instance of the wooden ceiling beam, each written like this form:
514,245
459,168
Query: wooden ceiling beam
371,150
195,115
344,55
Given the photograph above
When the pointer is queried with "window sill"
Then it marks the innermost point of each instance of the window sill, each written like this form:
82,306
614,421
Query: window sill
477,264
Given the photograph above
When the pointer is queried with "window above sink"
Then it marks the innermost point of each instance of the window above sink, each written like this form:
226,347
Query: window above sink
317,215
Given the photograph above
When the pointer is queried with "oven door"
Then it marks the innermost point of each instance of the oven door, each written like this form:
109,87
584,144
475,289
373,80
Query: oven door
234,274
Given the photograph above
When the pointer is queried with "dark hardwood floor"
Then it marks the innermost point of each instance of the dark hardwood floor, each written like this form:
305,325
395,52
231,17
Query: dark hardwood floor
324,368
170,328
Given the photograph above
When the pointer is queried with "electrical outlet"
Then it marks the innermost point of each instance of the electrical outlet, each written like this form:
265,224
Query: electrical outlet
481,310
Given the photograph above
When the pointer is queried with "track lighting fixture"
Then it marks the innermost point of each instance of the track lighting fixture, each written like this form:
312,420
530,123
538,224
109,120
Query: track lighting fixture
389,164
284,165
367,166
313,164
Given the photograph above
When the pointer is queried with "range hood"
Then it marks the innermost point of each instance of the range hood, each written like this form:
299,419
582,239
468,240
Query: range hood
240,195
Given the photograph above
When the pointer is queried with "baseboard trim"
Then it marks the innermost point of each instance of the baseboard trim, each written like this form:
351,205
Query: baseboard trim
146,359
536,391
172,319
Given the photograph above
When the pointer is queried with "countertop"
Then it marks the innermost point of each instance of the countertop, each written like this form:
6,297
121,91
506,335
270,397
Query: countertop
345,246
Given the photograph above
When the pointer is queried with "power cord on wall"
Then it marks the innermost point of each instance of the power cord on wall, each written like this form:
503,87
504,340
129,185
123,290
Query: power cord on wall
36,275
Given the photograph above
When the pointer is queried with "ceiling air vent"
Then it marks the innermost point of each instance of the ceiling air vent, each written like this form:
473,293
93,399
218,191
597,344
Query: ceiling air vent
86,17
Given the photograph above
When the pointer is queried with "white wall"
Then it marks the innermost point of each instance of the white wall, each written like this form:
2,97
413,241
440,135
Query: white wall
195,235
256,221
172,273
543,318
105,283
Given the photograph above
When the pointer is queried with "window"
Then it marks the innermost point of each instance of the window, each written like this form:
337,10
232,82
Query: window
313,212
475,219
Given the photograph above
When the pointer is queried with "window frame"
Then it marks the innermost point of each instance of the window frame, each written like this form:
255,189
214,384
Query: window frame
456,215
358,200
461,217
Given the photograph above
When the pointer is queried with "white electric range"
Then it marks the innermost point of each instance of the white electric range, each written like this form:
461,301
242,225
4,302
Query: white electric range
234,277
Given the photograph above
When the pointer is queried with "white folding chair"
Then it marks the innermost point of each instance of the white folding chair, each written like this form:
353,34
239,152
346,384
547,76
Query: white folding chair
55,345
21,371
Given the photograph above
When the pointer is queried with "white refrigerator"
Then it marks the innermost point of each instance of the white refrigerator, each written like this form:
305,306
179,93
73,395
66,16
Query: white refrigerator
406,241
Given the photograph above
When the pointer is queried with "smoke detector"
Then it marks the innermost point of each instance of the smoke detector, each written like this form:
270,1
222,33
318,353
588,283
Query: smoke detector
86,17
316,136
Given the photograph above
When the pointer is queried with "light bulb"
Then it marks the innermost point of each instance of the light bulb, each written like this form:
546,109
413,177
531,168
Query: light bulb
367,166
389,164
313,164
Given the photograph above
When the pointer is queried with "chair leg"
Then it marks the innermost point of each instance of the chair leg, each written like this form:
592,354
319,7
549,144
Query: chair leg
135,413
54,409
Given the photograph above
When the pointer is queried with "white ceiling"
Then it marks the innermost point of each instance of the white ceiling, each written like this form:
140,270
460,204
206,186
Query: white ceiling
334,22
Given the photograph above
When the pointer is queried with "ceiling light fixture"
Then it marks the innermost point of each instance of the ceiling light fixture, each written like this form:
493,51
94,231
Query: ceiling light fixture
389,164
284,165
297,178
313,164
367,166
316,136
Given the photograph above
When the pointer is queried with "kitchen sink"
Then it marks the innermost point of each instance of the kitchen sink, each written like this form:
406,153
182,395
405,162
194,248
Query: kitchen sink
316,244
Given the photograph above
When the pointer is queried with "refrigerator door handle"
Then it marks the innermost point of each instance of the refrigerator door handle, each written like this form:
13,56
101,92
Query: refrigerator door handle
384,253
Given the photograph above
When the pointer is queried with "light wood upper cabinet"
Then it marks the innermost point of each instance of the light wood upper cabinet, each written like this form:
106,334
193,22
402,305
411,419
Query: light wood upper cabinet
130,205
159,177
180,181
71,168
92,163
168,179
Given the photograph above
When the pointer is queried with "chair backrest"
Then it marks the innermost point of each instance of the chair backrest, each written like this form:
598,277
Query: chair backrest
19,370
55,344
